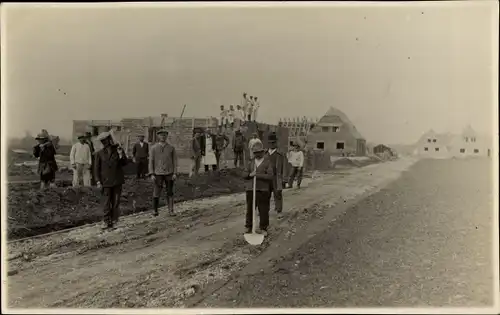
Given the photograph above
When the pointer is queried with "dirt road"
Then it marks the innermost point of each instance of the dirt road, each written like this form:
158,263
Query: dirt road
175,262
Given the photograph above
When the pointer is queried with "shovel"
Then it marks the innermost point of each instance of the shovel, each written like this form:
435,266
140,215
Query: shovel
254,238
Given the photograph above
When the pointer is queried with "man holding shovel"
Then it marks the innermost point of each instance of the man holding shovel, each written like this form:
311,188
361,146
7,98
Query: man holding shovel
260,167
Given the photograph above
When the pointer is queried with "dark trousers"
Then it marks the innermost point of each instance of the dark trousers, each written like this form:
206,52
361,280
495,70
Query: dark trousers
214,168
92,176
142,167
278,199
217,157
262,204
196,164
112,203
169,185
296,172
238,159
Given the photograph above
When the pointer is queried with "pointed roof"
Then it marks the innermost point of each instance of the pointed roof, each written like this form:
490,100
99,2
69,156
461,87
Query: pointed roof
468,131
336,112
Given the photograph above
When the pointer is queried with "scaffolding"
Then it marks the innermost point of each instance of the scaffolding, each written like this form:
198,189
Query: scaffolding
299,128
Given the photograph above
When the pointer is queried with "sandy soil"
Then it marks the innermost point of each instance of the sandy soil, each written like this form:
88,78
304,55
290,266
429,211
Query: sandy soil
172,262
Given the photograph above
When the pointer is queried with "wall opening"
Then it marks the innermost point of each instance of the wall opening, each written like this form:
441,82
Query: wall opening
434,140
426,149
436,149
462,150
340,145
320,145
324,129
429,140
335,128
476,151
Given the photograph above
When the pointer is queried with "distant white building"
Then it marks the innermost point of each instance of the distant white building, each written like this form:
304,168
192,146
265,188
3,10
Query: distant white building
446,145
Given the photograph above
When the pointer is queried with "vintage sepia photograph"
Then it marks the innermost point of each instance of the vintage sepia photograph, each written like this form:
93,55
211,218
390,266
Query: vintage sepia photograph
211,157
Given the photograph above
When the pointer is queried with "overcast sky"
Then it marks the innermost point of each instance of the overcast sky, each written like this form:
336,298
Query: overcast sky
395,70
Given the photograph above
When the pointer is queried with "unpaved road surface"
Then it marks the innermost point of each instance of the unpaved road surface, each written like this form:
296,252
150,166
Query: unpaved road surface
177,262
425,240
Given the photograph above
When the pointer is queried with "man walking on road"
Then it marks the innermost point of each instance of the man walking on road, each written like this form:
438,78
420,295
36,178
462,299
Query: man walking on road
109,163
81,162
261,168
140,152
296,159
278,162
239,142
163,170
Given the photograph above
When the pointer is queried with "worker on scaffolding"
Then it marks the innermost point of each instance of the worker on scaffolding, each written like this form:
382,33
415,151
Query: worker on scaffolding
163,170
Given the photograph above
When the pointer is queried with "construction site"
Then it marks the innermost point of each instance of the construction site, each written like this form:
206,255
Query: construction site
61,221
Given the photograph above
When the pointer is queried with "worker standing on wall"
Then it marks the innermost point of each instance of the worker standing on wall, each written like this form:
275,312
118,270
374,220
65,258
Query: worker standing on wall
109,163
223,117
140,153
245,106
81,162
279,162
163,170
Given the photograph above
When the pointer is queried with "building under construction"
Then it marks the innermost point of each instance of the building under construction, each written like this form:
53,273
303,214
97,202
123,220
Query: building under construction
127,130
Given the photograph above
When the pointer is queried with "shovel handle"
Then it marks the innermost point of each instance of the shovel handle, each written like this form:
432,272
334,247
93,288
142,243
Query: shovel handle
254,197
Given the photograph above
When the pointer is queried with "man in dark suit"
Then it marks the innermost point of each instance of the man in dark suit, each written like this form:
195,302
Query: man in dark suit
109,176
279,163
140,153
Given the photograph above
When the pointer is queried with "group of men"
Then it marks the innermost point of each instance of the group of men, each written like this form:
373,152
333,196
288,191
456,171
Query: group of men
105,167
247,111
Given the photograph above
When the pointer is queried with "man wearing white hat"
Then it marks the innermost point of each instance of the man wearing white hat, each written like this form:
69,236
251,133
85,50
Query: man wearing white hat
109,163
163,170
81,162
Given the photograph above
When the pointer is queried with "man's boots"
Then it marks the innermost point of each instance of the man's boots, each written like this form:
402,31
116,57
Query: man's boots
156,202
170,204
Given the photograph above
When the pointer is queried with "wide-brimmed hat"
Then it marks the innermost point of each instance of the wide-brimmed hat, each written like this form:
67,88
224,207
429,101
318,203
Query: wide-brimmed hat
162,131
42,135
103,135
82,136
257,147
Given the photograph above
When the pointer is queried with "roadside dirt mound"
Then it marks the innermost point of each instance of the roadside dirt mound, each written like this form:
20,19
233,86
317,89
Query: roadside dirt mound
32,212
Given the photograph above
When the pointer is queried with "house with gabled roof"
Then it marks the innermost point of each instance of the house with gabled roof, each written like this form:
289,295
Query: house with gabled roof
336,135
446,145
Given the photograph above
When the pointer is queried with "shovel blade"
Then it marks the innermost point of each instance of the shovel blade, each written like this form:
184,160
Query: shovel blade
254,238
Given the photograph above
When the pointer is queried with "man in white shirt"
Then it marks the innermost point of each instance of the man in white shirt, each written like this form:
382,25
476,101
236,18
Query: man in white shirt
252,142
81,162
239,117
222,117
245,106
296,159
